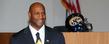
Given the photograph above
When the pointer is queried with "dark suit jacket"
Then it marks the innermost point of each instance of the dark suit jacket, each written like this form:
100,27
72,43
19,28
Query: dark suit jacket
25,37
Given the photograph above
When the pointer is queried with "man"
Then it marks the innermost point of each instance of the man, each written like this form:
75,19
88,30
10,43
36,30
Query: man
37,31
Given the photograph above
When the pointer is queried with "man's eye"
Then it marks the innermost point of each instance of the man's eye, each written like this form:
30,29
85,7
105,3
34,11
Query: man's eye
36,13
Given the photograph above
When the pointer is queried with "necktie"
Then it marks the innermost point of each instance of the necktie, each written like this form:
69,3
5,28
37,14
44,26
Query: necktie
38,41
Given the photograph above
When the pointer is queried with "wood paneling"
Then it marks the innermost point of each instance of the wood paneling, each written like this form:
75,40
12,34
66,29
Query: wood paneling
5,37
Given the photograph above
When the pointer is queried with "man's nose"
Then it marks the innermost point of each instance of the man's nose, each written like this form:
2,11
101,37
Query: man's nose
41,16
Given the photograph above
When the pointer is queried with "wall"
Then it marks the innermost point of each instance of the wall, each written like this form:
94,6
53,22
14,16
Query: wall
14,17
97,12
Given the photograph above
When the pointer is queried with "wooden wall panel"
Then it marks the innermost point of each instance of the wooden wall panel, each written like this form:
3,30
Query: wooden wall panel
5,37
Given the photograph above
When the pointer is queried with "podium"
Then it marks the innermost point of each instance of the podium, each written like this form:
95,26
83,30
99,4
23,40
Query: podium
86,37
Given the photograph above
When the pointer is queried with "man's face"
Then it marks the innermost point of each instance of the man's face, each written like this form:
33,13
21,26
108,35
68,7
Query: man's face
37,16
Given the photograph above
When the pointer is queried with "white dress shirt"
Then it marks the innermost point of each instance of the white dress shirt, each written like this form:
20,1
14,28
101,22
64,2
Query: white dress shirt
41,32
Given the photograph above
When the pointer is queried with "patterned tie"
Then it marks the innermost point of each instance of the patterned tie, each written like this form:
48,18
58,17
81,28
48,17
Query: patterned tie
38,41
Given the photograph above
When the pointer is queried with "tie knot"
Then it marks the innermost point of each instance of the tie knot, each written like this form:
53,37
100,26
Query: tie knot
37,34
38,41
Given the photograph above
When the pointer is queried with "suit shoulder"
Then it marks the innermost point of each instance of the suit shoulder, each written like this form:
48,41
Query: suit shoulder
49,29
20,33
52,31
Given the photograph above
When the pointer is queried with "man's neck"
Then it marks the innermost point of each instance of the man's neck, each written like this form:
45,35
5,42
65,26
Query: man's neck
36,27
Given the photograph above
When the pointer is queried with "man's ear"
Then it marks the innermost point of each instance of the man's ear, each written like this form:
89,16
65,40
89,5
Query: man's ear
29,15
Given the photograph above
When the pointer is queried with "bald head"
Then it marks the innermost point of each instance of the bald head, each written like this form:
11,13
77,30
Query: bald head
36,4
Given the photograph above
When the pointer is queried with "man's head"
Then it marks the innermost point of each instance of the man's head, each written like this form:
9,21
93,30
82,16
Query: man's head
37,15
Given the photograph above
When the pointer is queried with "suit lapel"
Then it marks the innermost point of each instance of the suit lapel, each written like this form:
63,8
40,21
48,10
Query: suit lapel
28,36
47,36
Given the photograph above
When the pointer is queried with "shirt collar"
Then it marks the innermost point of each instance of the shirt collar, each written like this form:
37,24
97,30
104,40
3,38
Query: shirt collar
41,30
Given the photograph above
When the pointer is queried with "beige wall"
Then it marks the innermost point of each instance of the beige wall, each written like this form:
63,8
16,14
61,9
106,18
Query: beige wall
13,13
